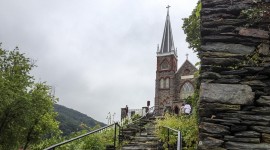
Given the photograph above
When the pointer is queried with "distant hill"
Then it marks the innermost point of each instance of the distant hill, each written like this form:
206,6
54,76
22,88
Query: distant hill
71,120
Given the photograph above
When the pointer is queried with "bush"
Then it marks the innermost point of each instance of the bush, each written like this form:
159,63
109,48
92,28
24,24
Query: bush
188,125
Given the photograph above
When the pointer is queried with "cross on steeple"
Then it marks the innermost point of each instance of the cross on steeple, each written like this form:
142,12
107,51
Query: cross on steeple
167,44
187,56
168,7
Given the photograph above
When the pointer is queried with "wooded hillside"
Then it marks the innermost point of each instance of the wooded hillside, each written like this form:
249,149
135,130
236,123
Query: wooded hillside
72,120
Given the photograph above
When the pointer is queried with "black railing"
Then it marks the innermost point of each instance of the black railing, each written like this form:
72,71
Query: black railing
86,134
179,137
150,112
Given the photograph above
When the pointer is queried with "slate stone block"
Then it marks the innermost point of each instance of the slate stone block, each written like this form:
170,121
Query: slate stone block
237,128
226,93
263,101
219,107
245,139
261,129
214,128
262,110
235,72
220,61
254,33
231,48
254,83
210,142
264,49
247,146
265,137
251,134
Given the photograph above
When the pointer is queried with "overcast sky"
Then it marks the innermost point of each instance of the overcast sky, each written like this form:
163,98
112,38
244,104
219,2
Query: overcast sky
100,55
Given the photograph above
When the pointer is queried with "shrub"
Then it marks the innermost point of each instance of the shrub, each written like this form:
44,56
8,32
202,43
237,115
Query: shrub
188,125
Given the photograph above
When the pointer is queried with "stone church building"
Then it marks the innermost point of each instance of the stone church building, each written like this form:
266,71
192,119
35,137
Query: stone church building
173,85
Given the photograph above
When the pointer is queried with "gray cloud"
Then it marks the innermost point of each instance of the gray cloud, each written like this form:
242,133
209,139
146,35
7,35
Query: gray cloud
99,55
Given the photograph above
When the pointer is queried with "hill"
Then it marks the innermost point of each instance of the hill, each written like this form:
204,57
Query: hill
71,120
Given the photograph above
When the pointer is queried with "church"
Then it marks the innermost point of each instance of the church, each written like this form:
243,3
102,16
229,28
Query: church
173,85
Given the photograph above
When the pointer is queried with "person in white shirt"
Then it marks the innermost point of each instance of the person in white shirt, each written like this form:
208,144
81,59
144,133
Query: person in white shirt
182,110
187,109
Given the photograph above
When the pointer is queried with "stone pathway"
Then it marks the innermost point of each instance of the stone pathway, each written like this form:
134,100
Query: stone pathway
140,136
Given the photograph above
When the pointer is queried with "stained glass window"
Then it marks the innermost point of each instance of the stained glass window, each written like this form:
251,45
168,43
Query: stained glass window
186,90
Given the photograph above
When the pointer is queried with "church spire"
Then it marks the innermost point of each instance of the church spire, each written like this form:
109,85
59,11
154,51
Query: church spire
167,44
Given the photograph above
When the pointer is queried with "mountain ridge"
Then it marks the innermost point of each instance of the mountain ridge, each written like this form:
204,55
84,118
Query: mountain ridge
72,120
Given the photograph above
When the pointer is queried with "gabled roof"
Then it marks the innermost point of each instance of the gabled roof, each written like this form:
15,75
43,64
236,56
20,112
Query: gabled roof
187,62
167,44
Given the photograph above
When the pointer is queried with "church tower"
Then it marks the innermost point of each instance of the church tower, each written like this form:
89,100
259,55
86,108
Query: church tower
166,69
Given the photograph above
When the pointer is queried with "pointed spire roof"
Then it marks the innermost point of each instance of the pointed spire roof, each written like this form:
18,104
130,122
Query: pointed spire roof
167,44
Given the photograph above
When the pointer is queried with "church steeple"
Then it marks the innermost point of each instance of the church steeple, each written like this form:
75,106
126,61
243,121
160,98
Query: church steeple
167,44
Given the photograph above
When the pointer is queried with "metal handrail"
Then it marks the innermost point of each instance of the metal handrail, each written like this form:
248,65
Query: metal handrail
86,134
179,137
100,129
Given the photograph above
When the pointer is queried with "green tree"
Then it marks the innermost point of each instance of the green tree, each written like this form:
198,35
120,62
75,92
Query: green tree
40,116
26,108
191,27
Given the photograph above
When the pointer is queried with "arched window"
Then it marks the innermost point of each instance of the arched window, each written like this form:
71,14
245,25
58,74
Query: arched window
165,65
167,83
161,84
186,90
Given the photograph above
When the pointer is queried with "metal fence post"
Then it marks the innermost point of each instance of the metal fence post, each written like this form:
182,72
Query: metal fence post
178,140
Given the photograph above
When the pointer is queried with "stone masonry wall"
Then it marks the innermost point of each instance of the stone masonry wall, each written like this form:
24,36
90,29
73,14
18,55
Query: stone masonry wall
234,104
165,96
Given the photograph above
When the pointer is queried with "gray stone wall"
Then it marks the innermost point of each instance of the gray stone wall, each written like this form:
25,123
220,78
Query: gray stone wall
234,104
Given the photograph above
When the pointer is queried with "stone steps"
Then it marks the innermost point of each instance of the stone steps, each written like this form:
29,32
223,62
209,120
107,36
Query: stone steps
144,138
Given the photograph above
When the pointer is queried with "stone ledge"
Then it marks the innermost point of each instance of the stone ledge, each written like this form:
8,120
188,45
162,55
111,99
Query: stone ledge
254,33
238,145
235,94
214,128
241,139
231,48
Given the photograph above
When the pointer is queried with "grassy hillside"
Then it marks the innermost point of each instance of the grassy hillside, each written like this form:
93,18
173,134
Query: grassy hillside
71,120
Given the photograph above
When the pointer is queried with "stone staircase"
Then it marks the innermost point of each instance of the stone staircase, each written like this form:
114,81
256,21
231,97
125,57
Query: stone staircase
140,136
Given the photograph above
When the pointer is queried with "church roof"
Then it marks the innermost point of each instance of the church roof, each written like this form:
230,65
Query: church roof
167,44
185,64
